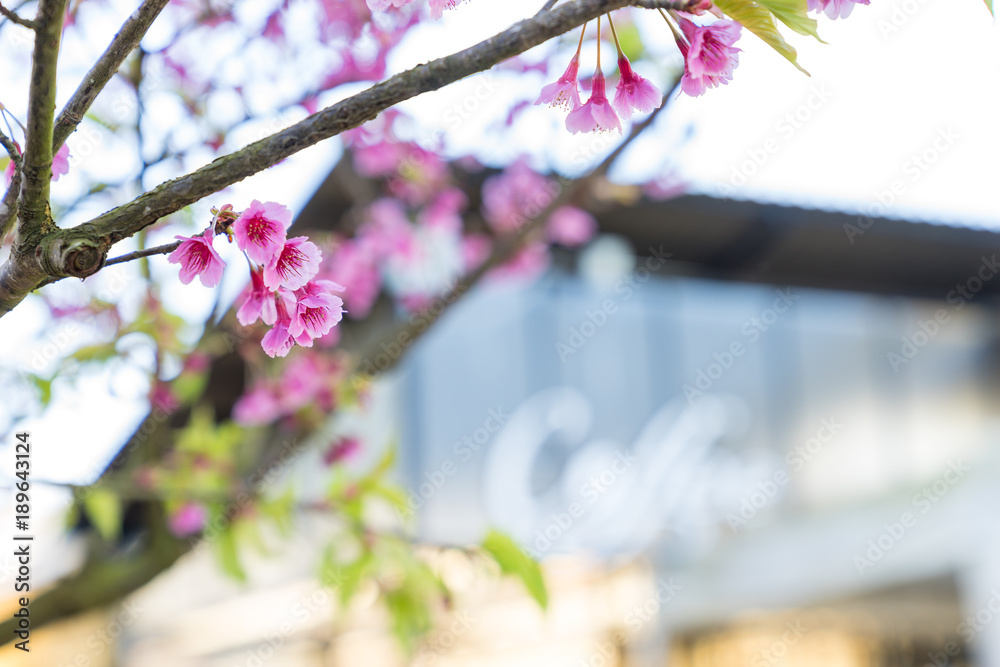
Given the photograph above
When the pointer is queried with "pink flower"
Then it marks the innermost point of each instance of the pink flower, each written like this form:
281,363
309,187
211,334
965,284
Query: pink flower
341,449
316,309
387,232
60,162
294,266
565,91
197,257
278,341
475,250
438,7
259,406
634,92
188,520
836,9
709,54
515,196
258,302
260,230
162,398
352,266
445,211
596,115
571,226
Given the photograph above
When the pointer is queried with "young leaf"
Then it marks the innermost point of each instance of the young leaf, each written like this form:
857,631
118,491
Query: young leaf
760,21
793,14
104,509
515,562
225,549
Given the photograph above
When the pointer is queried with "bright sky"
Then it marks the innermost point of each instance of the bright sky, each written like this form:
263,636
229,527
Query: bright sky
893,80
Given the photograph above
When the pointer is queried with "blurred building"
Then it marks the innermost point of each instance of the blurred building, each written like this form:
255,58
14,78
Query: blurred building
789,412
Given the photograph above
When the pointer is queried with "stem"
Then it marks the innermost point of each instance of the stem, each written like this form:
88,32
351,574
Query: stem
157,250
678,36
598,43
614,33
579,44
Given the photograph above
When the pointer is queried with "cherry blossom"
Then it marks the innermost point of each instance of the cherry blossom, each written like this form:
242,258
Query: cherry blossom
316,309
571,226
294,266
596,114
188,520
565,92
260,230
709,54
197,257
258,302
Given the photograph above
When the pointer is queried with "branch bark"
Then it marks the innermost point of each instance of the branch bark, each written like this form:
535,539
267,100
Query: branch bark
36,162
97,236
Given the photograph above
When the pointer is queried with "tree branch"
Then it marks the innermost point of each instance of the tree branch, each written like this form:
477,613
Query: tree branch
117,580
81,251
127,39
14,18
36,161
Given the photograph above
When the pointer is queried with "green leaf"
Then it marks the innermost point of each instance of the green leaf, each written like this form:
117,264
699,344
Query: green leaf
104,509
514,561
760,21
989,5
44,388
410,613
228,554
793,13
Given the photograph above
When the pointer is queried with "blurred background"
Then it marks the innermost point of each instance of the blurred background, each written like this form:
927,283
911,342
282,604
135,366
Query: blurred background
750,422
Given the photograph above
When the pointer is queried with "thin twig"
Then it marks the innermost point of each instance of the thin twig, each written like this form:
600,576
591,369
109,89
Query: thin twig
157,250
11,16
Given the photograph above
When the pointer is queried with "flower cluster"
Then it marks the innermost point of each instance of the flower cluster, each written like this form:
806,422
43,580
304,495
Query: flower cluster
598,114
709,60
283,291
